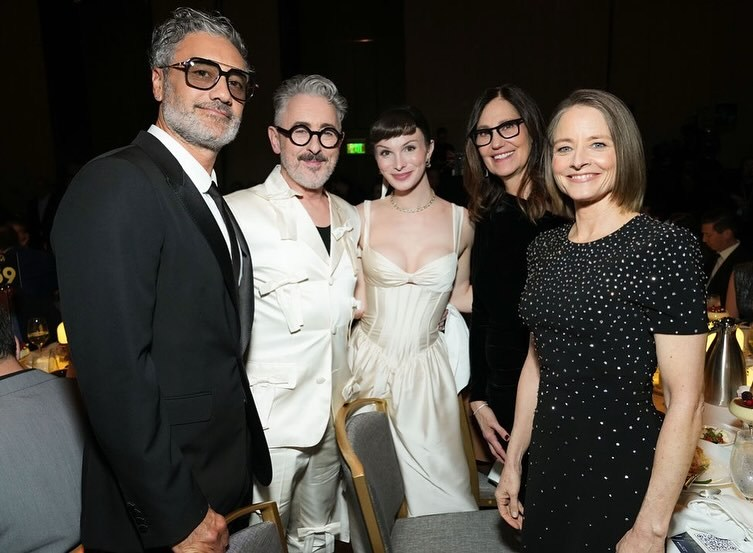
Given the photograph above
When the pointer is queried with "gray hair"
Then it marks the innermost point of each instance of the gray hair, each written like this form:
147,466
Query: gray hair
184,21
311,85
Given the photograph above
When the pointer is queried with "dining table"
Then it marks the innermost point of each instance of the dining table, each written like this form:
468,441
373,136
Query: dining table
713,513
52,358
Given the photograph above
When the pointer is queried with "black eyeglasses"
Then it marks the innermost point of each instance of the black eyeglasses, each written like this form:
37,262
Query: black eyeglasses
300,135
508,129
205,74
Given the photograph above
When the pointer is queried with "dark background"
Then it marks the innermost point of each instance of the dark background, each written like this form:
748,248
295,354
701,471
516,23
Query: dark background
77,82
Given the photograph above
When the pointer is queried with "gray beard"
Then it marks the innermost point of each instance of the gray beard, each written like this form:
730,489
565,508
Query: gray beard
190,128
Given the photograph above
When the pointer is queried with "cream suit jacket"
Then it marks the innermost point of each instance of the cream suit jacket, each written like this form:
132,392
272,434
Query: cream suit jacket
304,305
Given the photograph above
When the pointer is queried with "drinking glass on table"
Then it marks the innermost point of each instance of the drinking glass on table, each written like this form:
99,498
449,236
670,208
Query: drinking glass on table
59,360
741,463
37,332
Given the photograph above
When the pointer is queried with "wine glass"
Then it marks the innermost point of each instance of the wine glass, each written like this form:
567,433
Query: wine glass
741,463
37,332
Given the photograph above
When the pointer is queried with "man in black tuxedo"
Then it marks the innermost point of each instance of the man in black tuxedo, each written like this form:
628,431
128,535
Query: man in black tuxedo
719,231
155,285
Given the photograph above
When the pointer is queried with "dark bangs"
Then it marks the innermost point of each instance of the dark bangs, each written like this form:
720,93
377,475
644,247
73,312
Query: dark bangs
400,121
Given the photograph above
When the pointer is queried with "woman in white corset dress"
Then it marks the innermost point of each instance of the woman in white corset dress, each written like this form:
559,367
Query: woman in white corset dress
416,258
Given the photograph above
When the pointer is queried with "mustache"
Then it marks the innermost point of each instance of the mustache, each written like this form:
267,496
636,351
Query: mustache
219,106
312,157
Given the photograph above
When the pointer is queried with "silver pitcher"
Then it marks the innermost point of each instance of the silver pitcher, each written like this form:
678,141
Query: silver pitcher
725,365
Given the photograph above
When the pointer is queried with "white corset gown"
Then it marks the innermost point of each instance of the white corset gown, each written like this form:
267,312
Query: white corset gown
396,352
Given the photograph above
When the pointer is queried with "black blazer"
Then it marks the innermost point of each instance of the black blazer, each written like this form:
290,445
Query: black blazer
718,284
158,331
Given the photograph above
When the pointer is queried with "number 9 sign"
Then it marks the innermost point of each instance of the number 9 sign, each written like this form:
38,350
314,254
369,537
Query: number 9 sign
7,275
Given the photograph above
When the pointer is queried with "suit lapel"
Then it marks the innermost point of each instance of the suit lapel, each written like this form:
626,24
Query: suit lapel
309,234
337,233
194,204
293,221
246,286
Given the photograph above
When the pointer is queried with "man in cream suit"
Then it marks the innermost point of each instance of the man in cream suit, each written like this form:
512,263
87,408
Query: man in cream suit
303,242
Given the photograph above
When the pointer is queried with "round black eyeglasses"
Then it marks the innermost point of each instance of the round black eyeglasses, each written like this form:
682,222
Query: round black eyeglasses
300,135
204,74
508,129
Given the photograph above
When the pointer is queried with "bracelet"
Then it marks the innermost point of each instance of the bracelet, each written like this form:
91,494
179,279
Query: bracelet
477,409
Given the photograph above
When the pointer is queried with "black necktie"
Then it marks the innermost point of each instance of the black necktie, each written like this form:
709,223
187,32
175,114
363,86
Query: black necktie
214,193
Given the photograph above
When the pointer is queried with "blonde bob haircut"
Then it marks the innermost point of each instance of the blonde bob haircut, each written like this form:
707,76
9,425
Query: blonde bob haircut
630,176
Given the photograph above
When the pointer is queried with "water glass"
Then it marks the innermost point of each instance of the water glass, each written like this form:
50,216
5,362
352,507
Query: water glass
741,462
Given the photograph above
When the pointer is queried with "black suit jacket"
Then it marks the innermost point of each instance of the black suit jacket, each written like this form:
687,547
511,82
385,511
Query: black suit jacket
718,284
158,331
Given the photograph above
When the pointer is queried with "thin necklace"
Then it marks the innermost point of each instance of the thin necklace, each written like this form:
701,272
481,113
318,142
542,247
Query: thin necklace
413,209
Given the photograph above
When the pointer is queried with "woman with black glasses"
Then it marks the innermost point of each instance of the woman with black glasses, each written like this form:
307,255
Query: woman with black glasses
508,202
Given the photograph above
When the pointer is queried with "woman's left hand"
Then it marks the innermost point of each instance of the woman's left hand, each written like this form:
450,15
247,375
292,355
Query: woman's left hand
641,541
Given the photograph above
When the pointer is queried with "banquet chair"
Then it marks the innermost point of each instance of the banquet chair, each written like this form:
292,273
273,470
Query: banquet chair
482,489
373,477
267,535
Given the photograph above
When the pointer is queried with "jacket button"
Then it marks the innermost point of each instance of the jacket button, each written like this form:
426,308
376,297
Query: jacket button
321,380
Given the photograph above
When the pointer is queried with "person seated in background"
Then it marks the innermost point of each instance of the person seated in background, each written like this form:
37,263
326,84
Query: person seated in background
31,275
719,230
740,292
41,439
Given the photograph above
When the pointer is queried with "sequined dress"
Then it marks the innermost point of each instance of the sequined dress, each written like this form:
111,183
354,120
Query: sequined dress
594,308
397,352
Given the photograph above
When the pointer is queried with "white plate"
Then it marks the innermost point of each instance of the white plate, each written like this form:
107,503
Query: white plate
718,471
728,433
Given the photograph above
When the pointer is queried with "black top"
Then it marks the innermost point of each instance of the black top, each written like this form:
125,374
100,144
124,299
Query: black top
325,233
499,340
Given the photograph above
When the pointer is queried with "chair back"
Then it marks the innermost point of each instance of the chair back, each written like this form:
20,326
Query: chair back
365,441
484,498
267,535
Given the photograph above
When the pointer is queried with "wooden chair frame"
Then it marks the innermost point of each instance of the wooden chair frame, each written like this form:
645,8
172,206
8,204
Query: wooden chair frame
470,455
357,472
268,512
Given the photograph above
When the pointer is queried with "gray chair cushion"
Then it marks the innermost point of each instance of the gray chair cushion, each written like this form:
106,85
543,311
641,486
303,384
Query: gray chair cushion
471,532
256,538
370,436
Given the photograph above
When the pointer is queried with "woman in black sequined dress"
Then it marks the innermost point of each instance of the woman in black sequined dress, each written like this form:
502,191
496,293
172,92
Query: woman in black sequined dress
607,299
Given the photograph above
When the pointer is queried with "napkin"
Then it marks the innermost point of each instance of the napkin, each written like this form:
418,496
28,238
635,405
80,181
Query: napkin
728,513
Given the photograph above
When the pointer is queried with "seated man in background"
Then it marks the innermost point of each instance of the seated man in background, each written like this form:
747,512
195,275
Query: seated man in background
41,440
719,229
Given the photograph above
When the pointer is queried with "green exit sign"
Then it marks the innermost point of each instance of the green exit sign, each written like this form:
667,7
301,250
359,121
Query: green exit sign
355,148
